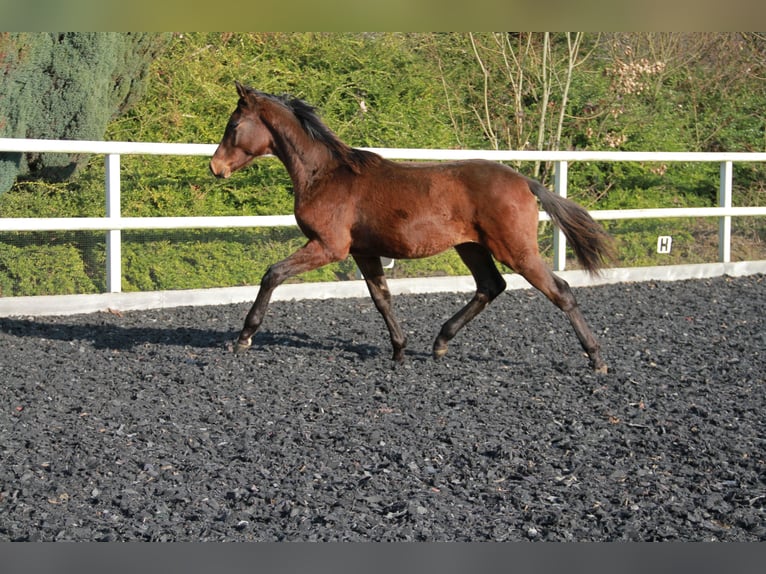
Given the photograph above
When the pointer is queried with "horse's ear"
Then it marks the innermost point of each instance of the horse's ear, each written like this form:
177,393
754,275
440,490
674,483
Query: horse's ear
246,95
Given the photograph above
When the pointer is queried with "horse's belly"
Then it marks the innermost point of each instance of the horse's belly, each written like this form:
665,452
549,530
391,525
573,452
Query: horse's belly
413,240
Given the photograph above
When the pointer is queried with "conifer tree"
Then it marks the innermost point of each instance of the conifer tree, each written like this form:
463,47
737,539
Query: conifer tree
66,86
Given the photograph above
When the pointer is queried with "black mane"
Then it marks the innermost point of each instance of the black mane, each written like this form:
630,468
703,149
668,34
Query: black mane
307,116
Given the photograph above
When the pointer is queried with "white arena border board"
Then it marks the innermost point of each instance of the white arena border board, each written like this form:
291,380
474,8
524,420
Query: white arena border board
48,305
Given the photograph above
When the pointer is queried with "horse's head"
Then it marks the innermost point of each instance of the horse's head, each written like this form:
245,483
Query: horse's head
245,137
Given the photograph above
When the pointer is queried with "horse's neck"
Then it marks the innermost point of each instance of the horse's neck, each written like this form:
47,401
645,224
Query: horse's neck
305,159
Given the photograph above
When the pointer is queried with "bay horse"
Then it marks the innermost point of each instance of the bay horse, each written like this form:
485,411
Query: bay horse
353,201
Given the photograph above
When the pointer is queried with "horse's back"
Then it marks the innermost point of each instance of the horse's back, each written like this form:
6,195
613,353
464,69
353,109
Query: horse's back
445,182
412,210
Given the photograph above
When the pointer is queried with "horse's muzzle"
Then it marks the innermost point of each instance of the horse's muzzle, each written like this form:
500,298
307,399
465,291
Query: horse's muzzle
220,171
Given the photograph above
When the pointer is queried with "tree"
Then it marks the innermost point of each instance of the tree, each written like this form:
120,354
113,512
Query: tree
67,86
522,99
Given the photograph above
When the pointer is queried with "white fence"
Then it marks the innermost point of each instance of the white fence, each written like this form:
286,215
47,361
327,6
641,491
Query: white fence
113,222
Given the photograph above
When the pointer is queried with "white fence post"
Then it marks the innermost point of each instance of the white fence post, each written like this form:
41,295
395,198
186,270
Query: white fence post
113,236
724,223
560,174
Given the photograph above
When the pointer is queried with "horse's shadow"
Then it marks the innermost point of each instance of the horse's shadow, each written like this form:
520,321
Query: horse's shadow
111,336
114,336
335,344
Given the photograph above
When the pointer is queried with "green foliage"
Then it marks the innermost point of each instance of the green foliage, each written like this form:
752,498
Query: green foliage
42,270
374,90
198,259
192,91
629,92
66,86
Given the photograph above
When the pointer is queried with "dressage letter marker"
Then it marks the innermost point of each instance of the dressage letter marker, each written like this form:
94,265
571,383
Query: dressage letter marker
664,243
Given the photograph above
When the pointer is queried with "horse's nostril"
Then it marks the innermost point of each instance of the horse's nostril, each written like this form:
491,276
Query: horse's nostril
217,171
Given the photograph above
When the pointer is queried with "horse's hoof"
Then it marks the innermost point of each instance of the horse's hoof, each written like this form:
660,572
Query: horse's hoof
439,352
601,369
241,346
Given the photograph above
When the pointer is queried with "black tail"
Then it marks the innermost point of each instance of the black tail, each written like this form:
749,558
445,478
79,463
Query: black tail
592,245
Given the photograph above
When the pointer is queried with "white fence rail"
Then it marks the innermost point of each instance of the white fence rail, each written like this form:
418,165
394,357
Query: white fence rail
113,222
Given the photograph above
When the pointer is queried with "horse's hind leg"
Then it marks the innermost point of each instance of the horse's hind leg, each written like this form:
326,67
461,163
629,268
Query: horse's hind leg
558,291
489,284
372,270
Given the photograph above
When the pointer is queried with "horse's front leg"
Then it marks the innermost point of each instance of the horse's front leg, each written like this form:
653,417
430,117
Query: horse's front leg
311,256
372,270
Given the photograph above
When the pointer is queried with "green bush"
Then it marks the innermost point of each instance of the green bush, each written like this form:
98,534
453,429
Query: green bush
387,90
42,270
200,259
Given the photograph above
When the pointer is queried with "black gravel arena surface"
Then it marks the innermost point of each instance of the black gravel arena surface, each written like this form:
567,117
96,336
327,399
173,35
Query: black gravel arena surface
144,426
